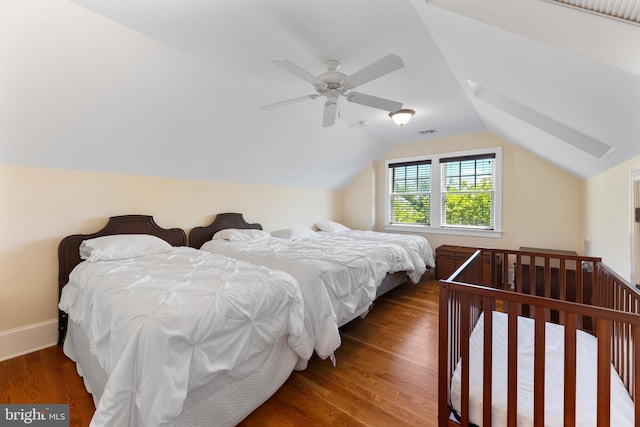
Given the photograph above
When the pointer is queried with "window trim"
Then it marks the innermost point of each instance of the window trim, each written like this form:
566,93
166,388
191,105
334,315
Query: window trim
435,198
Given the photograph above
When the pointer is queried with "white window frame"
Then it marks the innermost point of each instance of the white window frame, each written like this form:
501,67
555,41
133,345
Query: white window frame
436,226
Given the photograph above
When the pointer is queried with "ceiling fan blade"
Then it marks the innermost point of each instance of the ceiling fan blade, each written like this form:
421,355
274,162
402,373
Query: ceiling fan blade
297,71
379,68
289,101
373,101
330,111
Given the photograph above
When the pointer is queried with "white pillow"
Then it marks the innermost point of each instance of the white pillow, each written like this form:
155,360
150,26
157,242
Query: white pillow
295,233
122,246
330,226
237,234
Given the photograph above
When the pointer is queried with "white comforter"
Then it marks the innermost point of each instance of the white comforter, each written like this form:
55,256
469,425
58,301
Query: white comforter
338,283
417,247
586,381
165,324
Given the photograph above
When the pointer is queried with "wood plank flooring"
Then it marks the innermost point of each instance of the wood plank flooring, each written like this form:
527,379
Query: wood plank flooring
386,373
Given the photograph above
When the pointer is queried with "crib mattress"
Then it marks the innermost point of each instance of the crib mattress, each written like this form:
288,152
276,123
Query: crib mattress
622,409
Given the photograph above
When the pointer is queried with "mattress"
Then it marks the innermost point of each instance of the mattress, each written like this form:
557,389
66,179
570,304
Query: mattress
338,283
165,327
586,382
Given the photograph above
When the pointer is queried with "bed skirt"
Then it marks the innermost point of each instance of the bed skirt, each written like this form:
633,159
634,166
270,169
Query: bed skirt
223,402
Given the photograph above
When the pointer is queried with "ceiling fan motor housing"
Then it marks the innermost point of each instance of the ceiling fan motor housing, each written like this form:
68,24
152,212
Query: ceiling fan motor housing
333,79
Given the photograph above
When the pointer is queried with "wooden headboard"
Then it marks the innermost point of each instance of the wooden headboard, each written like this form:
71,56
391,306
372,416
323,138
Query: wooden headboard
200,235
69,248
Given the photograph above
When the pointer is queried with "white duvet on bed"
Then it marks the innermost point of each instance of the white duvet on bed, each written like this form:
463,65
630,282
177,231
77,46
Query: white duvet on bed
586,382
417,247
165,324
338,283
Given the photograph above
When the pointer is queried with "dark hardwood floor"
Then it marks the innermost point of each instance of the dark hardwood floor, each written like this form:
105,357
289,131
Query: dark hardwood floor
386,373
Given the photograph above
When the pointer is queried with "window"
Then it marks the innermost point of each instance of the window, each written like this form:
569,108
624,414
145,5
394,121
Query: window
410,192
467,191
453,193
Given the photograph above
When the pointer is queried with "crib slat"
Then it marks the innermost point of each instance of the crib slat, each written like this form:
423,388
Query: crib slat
512,366
628,381
562,287
538,366
547,285
444,369
604,373
518,279
518,274
636,374
464,354
505,270
579,291
487,371
532,275
570,371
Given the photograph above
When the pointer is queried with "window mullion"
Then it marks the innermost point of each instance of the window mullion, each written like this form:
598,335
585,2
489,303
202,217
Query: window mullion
435,195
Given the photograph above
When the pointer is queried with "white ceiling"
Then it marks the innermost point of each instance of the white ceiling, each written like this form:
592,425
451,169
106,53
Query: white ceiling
173,88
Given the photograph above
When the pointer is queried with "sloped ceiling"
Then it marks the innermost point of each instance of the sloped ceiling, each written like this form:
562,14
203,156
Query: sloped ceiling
173,88
558,81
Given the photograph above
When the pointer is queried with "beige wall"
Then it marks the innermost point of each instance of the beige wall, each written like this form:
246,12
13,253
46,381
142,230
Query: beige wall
541,204
608,221
357,201
38,207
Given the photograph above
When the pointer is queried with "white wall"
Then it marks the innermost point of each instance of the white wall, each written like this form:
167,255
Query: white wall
608,220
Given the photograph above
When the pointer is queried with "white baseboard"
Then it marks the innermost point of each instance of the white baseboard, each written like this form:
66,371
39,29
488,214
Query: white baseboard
27,339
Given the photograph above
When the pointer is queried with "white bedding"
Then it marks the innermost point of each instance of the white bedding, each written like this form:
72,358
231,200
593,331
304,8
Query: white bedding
417,247
586,382
164,325
338,283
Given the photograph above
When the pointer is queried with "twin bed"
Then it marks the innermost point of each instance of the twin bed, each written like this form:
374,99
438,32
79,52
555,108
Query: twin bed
165,334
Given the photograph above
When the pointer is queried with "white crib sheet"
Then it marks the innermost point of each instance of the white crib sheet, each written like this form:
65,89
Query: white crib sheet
622,409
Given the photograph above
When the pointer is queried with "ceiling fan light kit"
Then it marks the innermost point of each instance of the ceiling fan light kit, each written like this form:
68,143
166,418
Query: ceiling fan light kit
402,116
333,84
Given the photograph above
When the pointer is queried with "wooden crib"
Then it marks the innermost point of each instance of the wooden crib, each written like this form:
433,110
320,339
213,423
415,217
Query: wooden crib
577,292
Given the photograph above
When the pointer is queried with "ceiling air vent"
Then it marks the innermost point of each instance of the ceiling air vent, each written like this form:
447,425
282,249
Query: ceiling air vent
627,10
427,131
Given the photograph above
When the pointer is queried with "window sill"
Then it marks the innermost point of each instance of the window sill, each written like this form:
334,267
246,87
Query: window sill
494,234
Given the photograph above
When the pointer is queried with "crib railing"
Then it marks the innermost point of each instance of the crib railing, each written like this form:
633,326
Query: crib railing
577,292
615,293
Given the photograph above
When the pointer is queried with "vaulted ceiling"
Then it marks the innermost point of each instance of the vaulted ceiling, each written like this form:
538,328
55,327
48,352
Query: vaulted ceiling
174,88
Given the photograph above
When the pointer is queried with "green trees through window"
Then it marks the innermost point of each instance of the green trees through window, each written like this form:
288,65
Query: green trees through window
469,207
410,192
467,193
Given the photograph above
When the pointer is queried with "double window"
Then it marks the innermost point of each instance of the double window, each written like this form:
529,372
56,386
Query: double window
455,193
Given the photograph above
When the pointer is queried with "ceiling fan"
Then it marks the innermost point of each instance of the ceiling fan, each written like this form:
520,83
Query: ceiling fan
334,84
